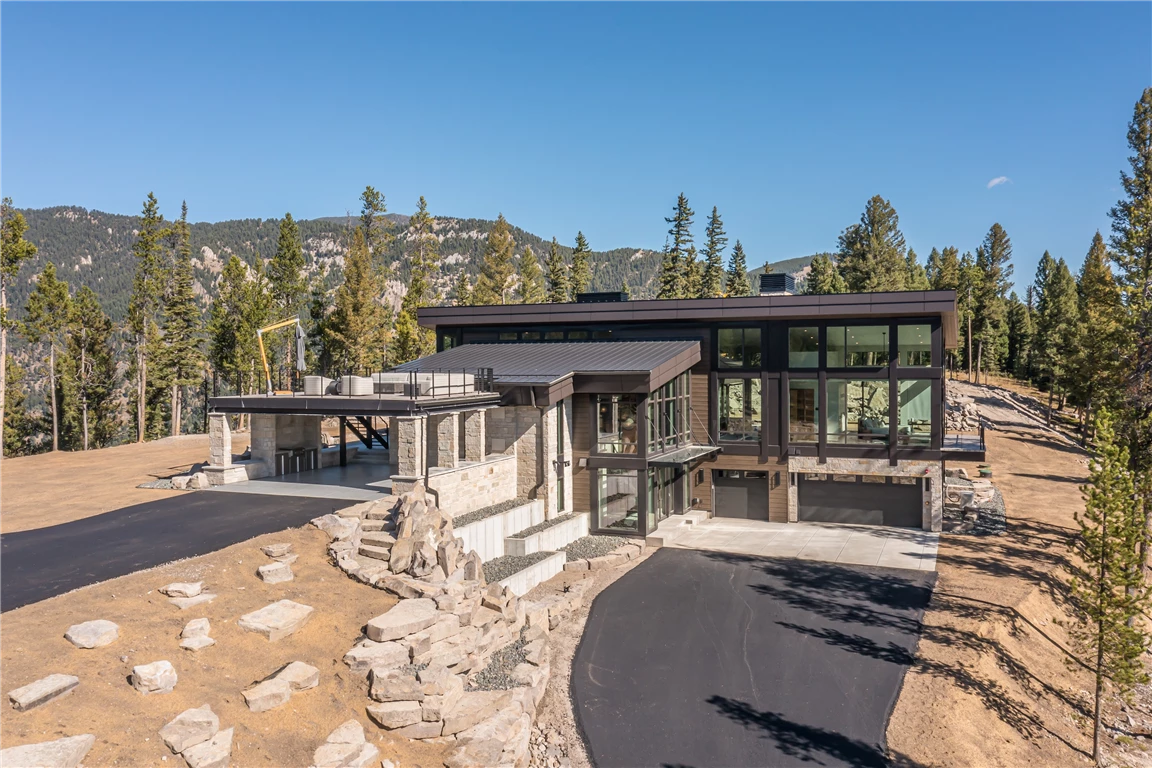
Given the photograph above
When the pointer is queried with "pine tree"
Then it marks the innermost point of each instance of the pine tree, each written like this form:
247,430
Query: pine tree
242,306
1132,252
967,297
917,278
1019,337
356,328
994,262
693,274
531,278
412,341
737,276
319,307
558,288
1099,380
1057,325
144,307
463,293
375,225
675,270
712,281
19,425
182,356
14,251
1110,593
91,374
496,270
580,280
871,255
943,270
824,277
46,322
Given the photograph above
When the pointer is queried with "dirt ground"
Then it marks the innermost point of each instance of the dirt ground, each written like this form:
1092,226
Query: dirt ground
126,722
994,683
54,488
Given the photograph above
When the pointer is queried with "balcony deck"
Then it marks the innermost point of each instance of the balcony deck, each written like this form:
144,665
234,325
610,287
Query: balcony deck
964,446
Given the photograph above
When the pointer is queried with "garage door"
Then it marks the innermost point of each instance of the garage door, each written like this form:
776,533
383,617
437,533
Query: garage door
740,494
828,498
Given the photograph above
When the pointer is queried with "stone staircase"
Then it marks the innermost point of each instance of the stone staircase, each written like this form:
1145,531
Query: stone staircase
675,526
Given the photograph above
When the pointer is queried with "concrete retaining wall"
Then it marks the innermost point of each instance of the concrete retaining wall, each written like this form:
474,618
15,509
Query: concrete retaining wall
549,539
487,536
523,581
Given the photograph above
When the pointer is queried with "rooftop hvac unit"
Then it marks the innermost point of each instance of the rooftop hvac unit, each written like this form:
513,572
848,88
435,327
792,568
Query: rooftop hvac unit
601,297
777,284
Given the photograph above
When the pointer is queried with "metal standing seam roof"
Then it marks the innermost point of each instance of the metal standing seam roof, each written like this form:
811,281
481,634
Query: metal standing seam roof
548,362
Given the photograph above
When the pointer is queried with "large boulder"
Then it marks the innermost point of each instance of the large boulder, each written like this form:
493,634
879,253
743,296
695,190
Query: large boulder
277,620
403,619
92,634
157,677
60,753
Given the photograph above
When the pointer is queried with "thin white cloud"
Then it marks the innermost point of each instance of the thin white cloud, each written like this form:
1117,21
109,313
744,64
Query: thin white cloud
998,181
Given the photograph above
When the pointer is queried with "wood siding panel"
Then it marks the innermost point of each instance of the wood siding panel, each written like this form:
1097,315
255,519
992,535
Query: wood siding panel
581,446
777,496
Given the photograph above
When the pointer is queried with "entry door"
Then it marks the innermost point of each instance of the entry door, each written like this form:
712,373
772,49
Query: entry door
740,494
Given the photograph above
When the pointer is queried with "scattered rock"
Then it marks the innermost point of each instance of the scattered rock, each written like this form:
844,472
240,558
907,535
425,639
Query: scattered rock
197,643
289,559
395,714
191,727
275,573
214,753
300,676
157,677
403,619
184,603
61,753
92,634
276,550
369,655
268,695
394,685
338,528
180,482
41,692
196,628
278,620
183,589
199,481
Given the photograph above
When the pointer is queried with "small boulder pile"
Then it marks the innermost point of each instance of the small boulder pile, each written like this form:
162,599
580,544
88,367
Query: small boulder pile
961,414
195,735
277,689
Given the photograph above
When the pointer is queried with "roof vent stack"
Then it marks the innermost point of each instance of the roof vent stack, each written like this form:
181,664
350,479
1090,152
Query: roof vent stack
777,284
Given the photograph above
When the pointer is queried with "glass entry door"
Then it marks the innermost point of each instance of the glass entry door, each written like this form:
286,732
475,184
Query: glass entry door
665,493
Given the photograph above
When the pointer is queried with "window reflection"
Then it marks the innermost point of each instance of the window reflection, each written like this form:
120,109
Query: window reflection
616,423
857,411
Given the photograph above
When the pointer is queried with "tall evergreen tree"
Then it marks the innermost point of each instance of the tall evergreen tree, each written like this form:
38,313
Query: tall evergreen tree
412,341
994,262
675,269
319,308
531,278
872,254
374,224
1099,379
712,282
356,330
46,323
1019,337
558,287
463,294
182,354
1132,251
144,306
580,280
20,427
14,251
943,270
1057,325
693,274
917,278
967,301
824,277
737,276
242,306
286,280
1111,593
496,270
91,376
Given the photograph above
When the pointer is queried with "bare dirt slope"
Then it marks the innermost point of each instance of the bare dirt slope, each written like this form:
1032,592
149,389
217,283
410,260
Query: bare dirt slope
126,722
993,683
53,488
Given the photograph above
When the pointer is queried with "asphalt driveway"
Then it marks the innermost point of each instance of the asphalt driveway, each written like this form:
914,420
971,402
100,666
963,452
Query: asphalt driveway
38,564
711,659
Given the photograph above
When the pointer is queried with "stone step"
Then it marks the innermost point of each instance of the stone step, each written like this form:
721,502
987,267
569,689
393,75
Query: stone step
380,513
372,525
378,539
376,553
668,531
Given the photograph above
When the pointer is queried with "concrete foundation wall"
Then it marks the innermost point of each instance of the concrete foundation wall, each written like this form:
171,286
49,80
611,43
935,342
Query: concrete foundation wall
474,486
933,512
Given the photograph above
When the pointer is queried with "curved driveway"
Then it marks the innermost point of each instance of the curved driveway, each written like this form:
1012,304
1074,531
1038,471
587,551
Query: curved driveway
710,659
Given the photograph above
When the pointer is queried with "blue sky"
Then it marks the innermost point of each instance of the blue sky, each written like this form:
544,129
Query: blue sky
587,116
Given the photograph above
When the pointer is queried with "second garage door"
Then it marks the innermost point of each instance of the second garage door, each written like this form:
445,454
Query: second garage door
741,494
827,498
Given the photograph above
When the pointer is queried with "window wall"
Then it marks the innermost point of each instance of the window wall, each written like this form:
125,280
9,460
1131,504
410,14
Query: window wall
669,415
803,410
618,499
851,346
616,423
739,409
738,348
857,411
914,343
915,409
804,347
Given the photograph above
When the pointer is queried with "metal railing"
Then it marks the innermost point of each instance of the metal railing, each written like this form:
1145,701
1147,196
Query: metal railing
423,384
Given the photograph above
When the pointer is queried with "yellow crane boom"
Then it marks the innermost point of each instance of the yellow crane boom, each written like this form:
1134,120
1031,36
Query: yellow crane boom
264,358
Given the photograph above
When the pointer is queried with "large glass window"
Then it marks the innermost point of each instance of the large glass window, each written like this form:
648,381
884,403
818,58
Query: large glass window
857,345
619,498
857,411
739,409
738,347
616,423
803,347
668,415
915,412
914,343
803,410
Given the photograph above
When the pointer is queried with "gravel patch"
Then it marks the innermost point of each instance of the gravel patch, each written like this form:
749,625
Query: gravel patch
541,527
497,676
164,483
503,567
595,546
486,512
991,518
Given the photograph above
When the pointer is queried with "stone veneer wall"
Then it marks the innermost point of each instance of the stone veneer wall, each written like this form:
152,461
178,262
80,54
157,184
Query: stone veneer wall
474,486
264,441
297,431
219,440
516,431
933,514
549,488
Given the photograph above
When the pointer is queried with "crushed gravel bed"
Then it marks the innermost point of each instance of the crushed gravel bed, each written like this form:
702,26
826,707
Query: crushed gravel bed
541,527
164,483
503,567
497,676
486,512
595,546
991,518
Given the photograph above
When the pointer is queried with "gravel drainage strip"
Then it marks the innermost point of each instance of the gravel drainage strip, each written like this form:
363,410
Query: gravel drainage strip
497,676
486,512
503,567
589,547
541,527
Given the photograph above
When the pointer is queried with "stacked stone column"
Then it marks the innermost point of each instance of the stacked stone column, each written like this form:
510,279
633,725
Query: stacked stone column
474,435
219,441
446,429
